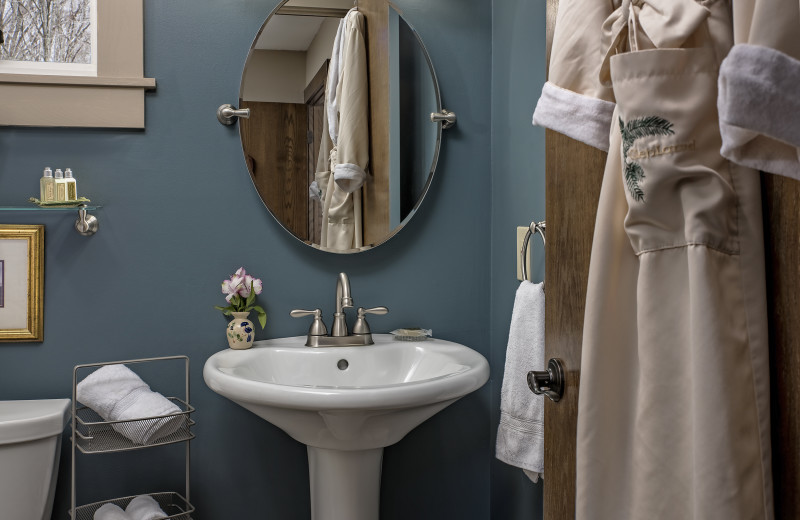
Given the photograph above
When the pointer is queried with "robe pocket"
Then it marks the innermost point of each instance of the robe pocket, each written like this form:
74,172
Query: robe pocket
679,189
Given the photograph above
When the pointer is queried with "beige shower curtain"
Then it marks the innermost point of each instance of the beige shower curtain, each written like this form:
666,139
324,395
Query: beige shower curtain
673,415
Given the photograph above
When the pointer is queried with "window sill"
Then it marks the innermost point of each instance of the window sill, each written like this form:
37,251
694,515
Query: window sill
95,81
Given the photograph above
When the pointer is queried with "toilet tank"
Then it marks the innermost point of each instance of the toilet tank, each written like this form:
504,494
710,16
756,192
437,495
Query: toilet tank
30,444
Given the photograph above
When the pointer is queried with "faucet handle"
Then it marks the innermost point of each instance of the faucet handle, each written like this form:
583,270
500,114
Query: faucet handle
361,326
374,310
317,326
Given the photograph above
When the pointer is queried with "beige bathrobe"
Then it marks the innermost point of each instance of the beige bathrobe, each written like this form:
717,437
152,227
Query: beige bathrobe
673,414
348,91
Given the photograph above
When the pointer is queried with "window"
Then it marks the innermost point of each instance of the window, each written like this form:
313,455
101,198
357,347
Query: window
74,63
49,37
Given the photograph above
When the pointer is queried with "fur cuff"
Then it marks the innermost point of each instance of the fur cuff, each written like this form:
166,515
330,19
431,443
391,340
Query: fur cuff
580,117
758,105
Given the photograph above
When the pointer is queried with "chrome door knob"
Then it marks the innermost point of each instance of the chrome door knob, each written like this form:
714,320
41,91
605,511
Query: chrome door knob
550,382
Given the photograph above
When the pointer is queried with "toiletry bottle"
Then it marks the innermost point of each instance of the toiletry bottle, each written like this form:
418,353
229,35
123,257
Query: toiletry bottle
72,188
61,186
47,187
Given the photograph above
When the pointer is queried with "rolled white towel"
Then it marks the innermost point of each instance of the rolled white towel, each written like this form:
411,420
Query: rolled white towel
116,393
145,507
111,512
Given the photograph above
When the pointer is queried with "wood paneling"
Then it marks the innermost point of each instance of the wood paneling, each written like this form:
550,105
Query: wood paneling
275,138
375,198
781,198
573,179
314,96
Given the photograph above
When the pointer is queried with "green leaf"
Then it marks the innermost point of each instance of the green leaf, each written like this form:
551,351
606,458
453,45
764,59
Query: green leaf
262,316
262,319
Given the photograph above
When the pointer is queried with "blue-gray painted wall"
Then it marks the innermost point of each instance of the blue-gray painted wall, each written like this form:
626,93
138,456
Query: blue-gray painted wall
180,214
518,195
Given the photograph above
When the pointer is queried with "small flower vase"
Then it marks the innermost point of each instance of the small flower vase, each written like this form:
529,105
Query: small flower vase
241,331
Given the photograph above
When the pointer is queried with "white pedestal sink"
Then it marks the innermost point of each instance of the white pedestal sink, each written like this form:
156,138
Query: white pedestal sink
346,404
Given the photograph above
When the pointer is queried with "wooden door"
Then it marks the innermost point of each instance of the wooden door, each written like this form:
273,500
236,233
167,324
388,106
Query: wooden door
275,138
314,96
574,174
781,199
573,179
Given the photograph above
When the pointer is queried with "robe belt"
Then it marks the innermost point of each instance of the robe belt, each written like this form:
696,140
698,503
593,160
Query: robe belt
666,23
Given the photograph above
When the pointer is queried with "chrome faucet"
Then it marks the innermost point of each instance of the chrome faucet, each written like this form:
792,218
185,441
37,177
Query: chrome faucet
318,333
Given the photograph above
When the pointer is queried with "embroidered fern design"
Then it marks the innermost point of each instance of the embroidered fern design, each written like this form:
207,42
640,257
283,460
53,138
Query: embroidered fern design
631,131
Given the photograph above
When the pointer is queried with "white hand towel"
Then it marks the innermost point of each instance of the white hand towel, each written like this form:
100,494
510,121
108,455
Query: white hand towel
116,393
520,435
144,507
111,512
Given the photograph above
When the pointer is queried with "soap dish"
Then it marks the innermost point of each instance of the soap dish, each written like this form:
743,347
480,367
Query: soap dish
411,334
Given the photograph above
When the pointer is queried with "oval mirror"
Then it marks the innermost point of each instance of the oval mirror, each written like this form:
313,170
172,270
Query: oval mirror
339,143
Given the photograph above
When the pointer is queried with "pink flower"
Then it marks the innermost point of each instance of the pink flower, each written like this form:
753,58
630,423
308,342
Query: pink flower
247,283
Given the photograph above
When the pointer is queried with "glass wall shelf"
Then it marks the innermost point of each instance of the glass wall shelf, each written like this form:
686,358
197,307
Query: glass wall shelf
85,224
53,208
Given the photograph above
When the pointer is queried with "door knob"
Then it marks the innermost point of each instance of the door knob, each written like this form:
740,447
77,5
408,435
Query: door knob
549,382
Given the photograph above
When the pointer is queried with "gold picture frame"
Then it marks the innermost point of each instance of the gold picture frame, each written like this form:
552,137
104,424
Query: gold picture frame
21,283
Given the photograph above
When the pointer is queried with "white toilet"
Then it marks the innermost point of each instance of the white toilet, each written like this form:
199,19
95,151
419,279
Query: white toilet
30,444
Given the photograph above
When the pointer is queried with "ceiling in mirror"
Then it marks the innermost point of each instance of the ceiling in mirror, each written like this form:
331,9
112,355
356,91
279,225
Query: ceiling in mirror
339,143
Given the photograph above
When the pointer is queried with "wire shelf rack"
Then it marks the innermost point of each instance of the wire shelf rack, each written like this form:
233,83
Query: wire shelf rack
91,434
173,504
94,435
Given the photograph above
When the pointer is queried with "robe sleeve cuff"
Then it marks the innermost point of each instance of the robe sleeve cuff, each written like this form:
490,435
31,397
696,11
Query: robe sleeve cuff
580,117
349,177
758,103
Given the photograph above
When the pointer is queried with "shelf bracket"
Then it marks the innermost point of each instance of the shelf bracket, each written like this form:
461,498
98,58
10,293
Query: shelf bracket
86,224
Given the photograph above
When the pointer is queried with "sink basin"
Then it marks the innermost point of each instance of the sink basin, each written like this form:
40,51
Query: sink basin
346,397
346,404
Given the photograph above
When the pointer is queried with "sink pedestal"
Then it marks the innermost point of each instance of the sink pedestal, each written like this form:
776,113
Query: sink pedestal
345,485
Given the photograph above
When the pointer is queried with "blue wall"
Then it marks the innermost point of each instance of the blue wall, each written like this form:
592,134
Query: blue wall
518,72
180,214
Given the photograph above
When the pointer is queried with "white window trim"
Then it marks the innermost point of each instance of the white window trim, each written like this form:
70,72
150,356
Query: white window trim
114,98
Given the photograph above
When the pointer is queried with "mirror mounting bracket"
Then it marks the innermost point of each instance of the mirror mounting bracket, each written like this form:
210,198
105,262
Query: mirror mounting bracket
227,114
446,117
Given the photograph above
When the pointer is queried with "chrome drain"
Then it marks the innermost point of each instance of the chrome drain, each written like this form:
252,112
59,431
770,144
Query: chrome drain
342,364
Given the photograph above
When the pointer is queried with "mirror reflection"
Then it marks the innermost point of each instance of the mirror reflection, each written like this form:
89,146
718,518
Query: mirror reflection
339,142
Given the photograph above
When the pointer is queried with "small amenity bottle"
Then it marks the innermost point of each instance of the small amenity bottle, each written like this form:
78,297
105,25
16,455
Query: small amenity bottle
72,188
61,186
47,186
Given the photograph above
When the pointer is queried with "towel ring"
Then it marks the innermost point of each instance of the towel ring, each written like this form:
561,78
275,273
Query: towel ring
533,229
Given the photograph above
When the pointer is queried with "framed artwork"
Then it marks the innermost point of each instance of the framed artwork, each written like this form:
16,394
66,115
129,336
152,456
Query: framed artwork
21,283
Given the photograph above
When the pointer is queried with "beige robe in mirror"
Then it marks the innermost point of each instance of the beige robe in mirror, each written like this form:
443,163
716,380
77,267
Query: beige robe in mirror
349,156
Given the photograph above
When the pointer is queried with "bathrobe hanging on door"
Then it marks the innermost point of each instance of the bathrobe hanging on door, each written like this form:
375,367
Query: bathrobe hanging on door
673,414
347,108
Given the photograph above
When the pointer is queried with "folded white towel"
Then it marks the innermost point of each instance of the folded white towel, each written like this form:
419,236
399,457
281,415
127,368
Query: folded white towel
520,435
116,393
111,512
144,507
